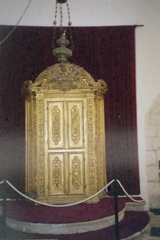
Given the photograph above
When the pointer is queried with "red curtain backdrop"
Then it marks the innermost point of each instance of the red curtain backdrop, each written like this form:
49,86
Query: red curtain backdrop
107,53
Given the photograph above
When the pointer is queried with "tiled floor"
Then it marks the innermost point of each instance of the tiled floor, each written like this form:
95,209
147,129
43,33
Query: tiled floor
154,222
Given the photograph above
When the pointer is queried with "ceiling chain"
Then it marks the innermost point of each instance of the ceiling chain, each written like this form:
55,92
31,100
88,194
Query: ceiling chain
61,28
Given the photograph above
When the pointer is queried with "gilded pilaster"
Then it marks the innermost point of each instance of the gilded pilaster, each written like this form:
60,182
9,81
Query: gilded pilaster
40,148
30,145
100,141
91,146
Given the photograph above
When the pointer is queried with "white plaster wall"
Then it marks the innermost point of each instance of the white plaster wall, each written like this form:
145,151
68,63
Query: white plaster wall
104,13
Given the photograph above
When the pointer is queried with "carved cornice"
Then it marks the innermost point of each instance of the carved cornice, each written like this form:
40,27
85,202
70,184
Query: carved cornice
64,77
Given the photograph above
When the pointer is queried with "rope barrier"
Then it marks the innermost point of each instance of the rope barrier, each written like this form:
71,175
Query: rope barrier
62,205
72,204
134,200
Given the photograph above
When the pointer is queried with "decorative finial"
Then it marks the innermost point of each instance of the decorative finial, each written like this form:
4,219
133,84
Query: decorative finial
62,52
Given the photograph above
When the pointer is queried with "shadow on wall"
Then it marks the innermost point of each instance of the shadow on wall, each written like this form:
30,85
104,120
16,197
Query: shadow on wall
152,139
12,157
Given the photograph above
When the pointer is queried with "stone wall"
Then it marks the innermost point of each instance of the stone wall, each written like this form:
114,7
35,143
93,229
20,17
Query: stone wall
152,137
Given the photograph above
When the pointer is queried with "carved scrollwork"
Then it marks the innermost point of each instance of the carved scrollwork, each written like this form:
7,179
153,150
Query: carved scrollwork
56,134
75,120
40,147
56,173
76,180
91,155
65,77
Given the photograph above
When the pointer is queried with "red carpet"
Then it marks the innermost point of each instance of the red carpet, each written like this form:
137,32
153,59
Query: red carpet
27,211
133,222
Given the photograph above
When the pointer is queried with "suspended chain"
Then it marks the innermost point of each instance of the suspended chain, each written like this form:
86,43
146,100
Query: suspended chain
54,23
61,23
61,18
70,24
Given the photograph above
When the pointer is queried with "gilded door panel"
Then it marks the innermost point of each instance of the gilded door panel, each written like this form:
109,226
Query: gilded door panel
76,173
56,163
55,125
75,124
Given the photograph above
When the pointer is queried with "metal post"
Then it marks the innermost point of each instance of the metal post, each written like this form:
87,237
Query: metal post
116,210
61,1
4,212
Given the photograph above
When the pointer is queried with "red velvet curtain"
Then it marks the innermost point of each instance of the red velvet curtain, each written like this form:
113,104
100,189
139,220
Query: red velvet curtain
106,53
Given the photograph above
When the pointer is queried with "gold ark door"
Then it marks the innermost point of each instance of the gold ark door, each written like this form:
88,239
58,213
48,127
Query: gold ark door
65,135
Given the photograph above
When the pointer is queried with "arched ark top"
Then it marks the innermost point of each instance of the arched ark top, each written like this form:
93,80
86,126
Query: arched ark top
65,77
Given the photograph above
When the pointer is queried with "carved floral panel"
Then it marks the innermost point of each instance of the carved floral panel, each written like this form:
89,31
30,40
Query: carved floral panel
55,124
56,174
75,124
76,173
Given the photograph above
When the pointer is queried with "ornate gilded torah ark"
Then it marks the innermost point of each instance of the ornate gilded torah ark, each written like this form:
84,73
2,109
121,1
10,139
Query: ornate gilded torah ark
65,134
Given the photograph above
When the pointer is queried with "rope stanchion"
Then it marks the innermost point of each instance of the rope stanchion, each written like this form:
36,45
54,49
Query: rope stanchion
71,204
114,181
115,186
4,212
62,205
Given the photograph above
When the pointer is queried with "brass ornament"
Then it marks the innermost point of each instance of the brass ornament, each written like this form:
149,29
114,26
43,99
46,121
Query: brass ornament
62,52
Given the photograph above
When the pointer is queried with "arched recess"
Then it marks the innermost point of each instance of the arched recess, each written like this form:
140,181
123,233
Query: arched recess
152,139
